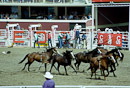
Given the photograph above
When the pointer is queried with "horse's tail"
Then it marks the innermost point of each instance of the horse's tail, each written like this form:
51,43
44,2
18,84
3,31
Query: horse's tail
24,58
121,58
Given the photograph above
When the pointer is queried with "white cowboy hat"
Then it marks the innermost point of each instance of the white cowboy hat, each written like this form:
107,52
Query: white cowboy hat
48,75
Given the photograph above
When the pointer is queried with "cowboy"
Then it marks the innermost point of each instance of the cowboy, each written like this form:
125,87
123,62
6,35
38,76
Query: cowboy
36,39
49,83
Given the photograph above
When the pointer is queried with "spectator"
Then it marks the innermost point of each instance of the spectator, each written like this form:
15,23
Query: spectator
67,39
49,83
89,16
60,18
64,17
77,34
36,39
18,27
50,16
76,18
84,37
62,43
84,17
59,39
70,17
49,40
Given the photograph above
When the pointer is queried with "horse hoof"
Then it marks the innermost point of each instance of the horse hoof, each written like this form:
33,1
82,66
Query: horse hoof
115,76
111,70
99,78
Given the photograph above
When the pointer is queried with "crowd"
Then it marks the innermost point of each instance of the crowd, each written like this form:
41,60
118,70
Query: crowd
64,39
71,16
8,16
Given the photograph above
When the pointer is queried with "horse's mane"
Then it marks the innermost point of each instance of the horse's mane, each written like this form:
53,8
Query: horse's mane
89,52
112,51
48,50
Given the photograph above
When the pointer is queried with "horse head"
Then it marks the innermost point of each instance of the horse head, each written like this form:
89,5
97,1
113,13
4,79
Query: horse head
96,51
53,50
70,54
117,51
111,58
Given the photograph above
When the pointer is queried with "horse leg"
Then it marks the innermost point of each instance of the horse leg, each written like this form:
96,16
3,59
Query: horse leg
89,68
73,68
45,67
29,63
107,72
114,74
76,64
79,64
95,73
111,67
117,62
40,66
91,72
65,70
58,68
55,67
24,66
53,62
104,75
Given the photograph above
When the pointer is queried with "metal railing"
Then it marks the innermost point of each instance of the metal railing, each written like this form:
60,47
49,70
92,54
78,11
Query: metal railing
67,86
45,1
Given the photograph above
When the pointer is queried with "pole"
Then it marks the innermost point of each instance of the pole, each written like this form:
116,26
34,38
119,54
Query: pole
129,30
92,26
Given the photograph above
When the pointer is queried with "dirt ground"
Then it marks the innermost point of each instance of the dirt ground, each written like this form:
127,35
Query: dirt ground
11,74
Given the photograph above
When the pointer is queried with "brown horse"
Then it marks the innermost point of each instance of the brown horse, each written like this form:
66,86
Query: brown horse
64,60
85,56
116,54
102,63
40,57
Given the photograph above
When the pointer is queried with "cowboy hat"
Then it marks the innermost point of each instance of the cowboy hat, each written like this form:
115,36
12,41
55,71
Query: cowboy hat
48,75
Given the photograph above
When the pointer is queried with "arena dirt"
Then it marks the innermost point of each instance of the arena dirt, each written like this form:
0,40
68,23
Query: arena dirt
11,74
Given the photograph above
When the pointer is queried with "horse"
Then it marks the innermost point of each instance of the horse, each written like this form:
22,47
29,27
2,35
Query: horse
39,57
101,62
64,60
116,53
85,57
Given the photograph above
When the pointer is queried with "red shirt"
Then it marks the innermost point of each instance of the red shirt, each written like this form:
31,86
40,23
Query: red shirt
49,36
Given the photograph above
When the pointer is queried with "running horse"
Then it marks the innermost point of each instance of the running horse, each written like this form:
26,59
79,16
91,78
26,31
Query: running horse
39,57
64,60
86,56
101,62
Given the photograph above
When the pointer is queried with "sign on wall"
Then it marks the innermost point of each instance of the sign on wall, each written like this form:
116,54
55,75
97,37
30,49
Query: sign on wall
110,39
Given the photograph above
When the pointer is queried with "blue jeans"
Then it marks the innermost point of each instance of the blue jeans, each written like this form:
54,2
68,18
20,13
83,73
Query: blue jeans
37,43
77,39
60,43
49,42
67,41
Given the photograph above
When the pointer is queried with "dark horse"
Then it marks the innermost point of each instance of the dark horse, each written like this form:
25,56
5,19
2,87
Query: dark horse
85,57
40,57
101,63
64,60
116,53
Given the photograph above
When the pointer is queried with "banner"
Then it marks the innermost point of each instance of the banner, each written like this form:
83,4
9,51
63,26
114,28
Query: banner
110,39
110,0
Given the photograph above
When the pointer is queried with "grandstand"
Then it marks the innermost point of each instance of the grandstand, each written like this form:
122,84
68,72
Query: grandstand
48,13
